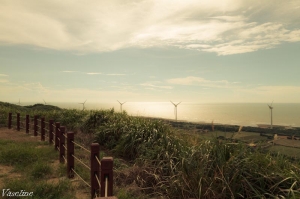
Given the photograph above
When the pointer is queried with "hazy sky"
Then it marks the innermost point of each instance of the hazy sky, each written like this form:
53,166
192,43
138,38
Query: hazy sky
150,50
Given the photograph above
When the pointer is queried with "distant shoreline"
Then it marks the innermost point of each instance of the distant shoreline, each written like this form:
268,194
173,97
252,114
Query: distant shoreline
259,126
244,122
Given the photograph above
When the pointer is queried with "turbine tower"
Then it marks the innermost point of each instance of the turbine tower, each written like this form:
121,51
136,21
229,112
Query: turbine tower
271,109
83,104
175,109
121,104
19,103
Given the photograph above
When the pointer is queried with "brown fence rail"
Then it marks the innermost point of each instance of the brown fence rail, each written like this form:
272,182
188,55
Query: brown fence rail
101,171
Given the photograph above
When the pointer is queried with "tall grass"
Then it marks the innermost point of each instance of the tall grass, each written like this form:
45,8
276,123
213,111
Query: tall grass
175,166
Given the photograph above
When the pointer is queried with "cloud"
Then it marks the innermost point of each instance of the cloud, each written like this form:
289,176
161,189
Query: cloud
93,73
280,94
227,27
198,81
87,73
115,74
3,81
30,91
273,90
151,86
70,71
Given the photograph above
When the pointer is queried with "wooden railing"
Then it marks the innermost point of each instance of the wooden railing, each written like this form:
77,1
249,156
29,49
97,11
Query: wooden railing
101,171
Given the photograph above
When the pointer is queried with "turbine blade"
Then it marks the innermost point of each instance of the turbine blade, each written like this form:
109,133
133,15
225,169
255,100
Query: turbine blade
172,102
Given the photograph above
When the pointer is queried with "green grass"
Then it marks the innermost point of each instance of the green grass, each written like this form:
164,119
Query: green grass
41,190
174,163
32,162
288,151
23,155
41,170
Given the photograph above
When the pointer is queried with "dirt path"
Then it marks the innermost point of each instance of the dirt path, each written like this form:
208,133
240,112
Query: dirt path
13,134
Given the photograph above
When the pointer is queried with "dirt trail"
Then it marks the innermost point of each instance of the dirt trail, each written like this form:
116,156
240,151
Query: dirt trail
13,134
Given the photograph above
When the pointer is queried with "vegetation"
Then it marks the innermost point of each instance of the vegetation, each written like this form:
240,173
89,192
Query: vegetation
154,159
33,168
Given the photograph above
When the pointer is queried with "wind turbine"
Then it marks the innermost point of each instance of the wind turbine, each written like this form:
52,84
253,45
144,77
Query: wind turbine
19,103
271,109
83,104
121,104
45,102
175,108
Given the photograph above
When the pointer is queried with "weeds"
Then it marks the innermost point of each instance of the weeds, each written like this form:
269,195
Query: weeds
174,165
40,170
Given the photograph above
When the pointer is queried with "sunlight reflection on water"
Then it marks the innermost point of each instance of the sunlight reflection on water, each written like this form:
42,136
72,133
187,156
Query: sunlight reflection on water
249,114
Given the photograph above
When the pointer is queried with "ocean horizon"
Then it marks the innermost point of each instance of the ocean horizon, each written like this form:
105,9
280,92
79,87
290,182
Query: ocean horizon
245,114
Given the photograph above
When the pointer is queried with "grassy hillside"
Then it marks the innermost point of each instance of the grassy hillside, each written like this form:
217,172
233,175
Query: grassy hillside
154,159
41,107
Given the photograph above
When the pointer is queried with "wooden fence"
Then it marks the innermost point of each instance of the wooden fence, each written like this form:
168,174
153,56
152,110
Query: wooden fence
101,171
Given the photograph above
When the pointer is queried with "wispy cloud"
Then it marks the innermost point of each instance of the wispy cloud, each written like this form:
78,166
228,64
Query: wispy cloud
70,71
115,74
93,73
225,28
30,91
273,90
3,81
279,93
152,86
198,81
87,73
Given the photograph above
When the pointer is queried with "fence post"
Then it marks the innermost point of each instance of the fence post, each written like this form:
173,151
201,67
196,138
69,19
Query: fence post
95,171
51,131
107,176
70,153
9,120
35,125
62,145
18,121
57,126
42,129
27,124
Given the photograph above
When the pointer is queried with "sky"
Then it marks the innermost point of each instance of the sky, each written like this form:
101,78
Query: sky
199,51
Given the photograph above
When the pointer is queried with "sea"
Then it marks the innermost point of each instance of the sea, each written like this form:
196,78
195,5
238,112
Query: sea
243,114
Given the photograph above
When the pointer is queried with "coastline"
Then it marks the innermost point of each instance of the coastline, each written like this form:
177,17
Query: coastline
261,128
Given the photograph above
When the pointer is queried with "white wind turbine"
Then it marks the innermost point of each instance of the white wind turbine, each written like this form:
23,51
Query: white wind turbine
82,104
121,104
271,109
19,103
175,109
